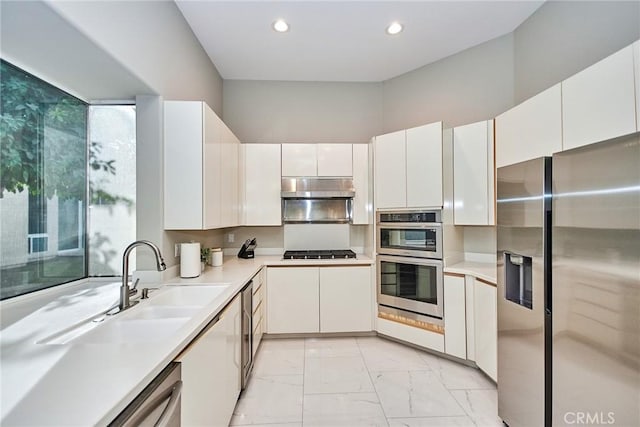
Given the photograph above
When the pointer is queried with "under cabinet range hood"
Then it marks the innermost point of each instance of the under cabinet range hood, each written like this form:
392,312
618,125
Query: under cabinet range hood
317,200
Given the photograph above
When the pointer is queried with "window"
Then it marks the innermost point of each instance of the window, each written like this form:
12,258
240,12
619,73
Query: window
43,184
55,178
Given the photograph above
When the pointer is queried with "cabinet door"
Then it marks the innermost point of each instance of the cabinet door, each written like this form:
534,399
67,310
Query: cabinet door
390,170
262,201
361,207
470,314
531,129
210,373
598,103
229,167
346,299
424,166
183,151
486,326
455,337
335,160
473,176
211,168
636,78
299,160
293,300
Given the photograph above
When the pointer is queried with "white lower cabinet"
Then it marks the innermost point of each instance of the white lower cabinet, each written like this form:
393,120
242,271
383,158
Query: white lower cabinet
258,310
345,299
455,334
319,299
293,299
486,328
211,371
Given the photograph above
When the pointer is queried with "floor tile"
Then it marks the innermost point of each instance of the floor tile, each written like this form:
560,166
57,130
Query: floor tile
432,422
384,355
456,376
348,409
480,405
331,347
270,399
336,375
414,394
280,358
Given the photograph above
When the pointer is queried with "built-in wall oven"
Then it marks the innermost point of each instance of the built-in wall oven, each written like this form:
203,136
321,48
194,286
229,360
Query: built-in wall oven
409,264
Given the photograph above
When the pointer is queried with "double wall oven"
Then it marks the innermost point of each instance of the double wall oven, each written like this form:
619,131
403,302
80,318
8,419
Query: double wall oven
409,261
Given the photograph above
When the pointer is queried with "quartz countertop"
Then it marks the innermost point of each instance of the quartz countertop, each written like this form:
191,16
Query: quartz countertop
481,270
82,384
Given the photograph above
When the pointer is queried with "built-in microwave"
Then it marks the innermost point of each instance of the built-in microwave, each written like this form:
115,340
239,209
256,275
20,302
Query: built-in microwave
411,284
410,233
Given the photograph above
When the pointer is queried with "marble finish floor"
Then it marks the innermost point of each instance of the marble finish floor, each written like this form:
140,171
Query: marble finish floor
364,381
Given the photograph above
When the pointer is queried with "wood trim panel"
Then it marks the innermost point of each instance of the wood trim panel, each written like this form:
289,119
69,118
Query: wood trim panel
486,282
454,274
411,322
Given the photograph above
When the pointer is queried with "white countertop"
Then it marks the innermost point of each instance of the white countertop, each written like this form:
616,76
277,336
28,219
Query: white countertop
481,270
84,384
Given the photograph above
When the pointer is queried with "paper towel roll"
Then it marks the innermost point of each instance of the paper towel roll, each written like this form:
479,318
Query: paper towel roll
189,260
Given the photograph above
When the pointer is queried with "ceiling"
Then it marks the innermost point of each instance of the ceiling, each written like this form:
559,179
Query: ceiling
343,40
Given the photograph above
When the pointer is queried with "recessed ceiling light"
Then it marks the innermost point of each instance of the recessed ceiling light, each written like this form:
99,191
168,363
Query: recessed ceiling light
281,26
394,28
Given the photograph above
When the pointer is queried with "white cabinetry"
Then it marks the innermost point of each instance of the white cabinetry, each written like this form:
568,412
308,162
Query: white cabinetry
346,299
531,129
455,337
192,158
211,371
599,103
317,160
293,300
408,168
319,299
335,159
361,206
473,174
486,327
261,184
390,170
424,166
230,179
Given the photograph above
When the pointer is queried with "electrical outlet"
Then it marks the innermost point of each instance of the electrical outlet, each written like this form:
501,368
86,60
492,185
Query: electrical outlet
231,238
176,250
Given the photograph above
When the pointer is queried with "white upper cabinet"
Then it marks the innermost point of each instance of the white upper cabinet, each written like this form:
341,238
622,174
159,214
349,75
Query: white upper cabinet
424,166
473,174
599,102
317,160
192,166
361,206
408,168
531,129
299,160
261,184
335,159
390,170
230,170
636,77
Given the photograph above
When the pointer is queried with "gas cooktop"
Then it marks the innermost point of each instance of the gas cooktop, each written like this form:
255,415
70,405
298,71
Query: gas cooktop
320,254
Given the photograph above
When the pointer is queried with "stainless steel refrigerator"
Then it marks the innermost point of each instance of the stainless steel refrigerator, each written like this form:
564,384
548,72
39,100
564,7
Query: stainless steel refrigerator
569,287
596,284
524,245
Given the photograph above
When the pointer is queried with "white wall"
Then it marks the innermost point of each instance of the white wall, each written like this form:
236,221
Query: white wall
473,85
564,37
272,111
152,39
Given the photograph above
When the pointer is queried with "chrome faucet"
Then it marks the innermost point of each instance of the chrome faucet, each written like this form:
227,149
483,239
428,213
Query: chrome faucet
124,289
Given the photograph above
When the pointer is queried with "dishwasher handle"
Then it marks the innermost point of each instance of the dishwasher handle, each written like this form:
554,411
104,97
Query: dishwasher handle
172,393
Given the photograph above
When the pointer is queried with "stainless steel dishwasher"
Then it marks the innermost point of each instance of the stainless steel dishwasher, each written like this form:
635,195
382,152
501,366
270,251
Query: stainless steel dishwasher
247,332
158,404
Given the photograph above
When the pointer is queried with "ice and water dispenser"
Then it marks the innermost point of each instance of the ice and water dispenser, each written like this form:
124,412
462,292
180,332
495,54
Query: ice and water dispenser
518,280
